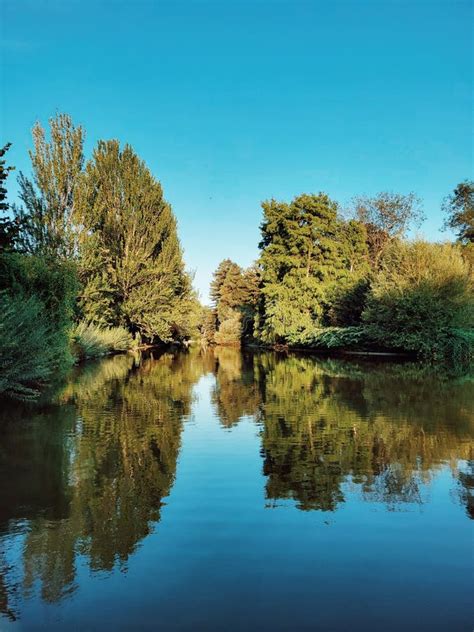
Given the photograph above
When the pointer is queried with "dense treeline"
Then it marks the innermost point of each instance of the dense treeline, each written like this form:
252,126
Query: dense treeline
90,261
328,281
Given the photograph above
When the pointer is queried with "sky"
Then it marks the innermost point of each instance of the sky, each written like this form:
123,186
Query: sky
233,102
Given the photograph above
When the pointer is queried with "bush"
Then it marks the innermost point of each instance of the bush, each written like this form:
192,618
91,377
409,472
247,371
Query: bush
346,302
230,330
90,341
32,349
422,300
54,283
339,338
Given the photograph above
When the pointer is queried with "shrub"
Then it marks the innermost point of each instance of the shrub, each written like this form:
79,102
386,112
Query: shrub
346,301
32,349
339,338
54,283
230,330
90,341
422,300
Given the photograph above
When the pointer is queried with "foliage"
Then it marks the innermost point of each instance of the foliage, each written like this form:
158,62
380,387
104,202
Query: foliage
235,295
8,227
33,351
421,297
53,283
207,326
47,217
90,341
306,252
386,216
230,329
459,208
131,262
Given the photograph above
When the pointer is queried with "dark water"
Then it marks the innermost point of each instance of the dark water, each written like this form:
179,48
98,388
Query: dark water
229,491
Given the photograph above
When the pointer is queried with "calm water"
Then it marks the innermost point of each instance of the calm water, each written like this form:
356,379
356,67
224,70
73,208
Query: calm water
229,491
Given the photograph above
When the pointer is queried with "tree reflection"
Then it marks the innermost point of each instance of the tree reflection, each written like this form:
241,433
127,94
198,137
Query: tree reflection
92,469
235,393
385,429
113,458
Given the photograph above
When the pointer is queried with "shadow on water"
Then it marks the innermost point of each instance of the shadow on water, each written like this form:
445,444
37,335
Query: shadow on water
87,473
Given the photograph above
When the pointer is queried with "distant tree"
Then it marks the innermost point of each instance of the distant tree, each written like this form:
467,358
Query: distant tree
386,216
131,262
47,216
234,293
459,208
208,324
8,227
218,279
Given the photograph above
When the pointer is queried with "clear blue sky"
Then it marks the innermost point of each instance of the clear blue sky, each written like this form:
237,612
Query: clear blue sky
233,102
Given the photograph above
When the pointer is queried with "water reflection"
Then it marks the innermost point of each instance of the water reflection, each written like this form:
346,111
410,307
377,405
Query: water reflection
88,473
92,470
384,428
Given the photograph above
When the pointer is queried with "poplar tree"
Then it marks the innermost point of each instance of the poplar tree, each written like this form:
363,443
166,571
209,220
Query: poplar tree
131,262
47,216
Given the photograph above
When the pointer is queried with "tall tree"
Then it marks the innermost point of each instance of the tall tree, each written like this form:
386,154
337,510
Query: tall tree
386,216
8,227
47,216
131,260
305,249
459,208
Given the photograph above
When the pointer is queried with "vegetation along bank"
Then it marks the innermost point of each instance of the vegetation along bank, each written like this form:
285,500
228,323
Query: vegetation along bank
91,264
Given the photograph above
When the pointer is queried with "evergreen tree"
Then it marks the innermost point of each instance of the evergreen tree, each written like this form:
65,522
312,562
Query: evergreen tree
305,250
48,215
131,260
234,292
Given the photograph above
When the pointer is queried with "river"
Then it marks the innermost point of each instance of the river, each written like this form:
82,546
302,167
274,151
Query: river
227,490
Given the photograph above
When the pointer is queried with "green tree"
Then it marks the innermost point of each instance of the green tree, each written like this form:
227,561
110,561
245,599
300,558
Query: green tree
386,216
8,227
48,213
305,250
459,208
234,293
131,262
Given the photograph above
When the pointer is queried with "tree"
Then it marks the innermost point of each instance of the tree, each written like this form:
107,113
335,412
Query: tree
48,216
234,293
459,208
386,216
8,227
305,250
131,262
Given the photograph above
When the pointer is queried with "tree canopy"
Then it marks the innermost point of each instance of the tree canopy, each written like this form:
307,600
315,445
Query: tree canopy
131,262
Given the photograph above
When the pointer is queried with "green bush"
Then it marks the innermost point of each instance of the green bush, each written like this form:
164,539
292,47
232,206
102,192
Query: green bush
33,352
90,341
422,301
230,330
339,338
346,301
54,283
